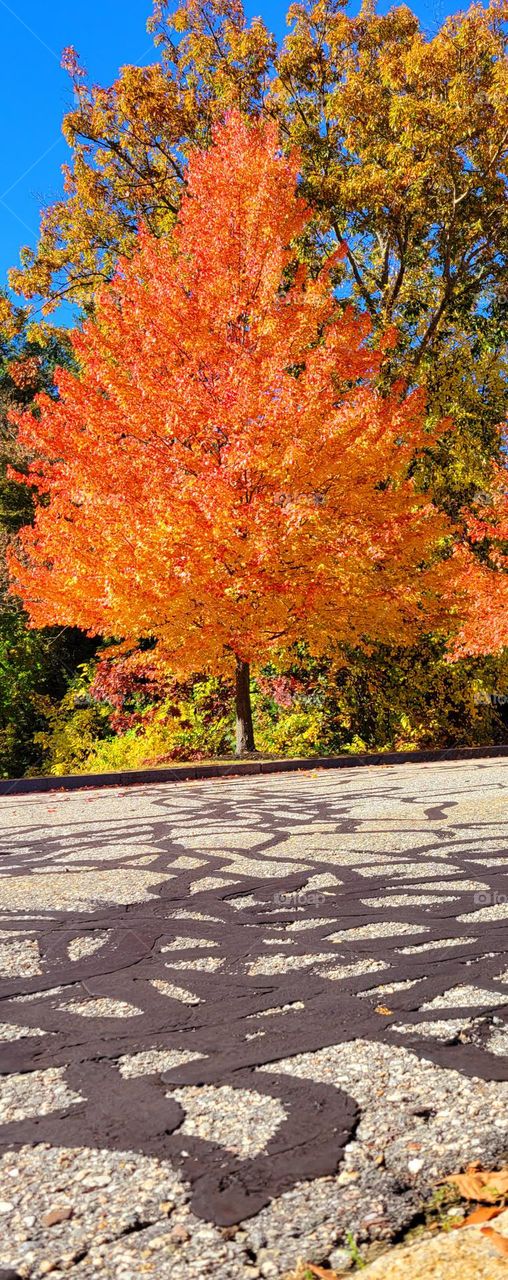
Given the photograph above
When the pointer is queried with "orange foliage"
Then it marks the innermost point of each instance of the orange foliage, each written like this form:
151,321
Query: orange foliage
485,624
222,474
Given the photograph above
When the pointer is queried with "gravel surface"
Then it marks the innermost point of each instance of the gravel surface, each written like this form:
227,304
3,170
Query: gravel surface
241,1120
190,988
174,992
34,1094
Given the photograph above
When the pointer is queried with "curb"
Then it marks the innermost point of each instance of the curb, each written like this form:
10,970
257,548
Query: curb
240,768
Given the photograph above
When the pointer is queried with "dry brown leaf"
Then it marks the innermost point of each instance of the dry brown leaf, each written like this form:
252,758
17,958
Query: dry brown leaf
486,1185
500,1242
484,1214
382,1008
321,1273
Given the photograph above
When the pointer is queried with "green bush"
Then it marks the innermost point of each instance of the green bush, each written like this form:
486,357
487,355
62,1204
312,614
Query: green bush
181,731
73,728
79,738
383,700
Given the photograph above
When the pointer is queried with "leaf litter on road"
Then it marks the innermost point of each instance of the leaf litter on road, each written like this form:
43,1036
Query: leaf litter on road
489,1188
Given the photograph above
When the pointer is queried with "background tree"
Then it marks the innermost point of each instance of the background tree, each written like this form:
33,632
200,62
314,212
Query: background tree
222,476
35,666
405,140
130,143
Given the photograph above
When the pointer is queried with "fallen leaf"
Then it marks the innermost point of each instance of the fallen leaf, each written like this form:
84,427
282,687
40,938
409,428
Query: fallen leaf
382,1008
483,1214
500,1242
485,1185
321,1273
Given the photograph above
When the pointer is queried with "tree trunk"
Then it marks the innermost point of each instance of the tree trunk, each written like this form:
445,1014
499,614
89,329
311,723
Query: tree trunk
244,727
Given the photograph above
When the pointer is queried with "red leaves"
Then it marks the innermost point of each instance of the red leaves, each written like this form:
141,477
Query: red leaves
128,684
281,688
25,373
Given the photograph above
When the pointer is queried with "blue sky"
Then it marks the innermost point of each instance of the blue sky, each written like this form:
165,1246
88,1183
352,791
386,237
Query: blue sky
34,91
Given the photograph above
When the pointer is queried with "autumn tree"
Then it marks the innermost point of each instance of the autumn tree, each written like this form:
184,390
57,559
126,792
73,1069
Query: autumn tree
404,144
403,138
222,474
